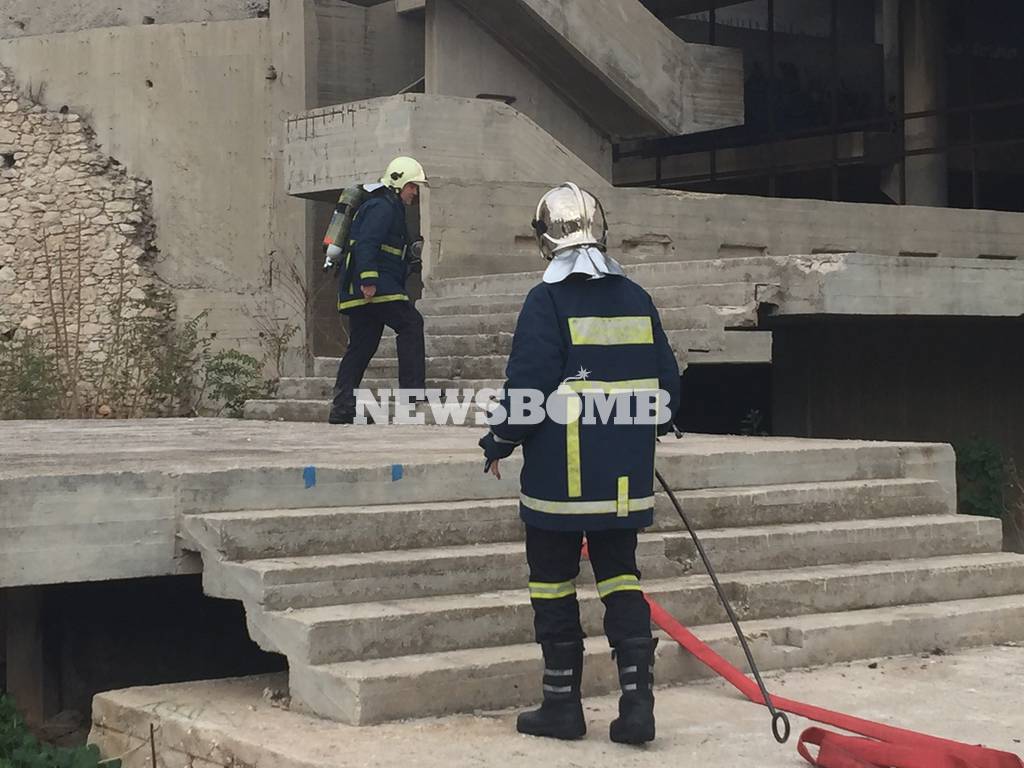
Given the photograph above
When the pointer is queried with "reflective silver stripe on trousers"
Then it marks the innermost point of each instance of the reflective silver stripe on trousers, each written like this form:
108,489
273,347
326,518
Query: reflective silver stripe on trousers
558,672
558,688
629,687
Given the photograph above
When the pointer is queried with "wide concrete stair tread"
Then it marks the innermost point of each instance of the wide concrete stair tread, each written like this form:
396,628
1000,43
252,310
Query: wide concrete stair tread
322,387
702,316
398,627
665,297
496,677
308,411
294,532
314,580
778,547
649,275
480,343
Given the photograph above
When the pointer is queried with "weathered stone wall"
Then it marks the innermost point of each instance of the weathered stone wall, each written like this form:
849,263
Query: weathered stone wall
198,109
75,228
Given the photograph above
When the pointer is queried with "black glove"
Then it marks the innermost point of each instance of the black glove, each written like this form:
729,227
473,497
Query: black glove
495,448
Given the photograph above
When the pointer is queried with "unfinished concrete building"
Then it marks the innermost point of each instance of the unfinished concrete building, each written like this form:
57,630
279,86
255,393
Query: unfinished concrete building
820,196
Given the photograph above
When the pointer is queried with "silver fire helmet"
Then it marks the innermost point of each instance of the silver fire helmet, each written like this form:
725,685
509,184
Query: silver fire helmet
568,217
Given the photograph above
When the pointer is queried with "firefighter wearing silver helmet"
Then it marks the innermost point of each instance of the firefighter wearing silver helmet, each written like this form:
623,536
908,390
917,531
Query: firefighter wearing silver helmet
585,328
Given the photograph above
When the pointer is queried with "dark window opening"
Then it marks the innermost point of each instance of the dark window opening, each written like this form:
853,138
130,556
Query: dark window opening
840,105
726,399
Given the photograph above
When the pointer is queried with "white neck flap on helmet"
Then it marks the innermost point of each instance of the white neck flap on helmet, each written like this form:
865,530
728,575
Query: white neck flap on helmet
583,260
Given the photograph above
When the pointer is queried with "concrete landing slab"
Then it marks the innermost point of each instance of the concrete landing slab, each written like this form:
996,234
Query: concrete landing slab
971,696
94,500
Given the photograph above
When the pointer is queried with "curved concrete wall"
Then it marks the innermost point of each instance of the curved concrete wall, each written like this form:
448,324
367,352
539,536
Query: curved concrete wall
454,138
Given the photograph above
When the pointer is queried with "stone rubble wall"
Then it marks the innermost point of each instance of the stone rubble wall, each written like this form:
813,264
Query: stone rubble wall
65,205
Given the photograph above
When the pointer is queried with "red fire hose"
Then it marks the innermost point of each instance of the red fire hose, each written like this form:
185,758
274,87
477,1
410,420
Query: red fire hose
876,746
884,745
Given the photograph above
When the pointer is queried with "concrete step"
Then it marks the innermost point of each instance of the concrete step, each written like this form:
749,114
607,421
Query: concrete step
651,275
480,344
317,580
474,343
283,409
454,366
286,409
322,387
740,347
492,678
433,464
428,625
276,533
732,294
679,319
279,584
777,547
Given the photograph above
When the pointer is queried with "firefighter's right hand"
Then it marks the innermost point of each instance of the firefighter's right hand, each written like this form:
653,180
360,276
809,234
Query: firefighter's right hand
495,449
369,291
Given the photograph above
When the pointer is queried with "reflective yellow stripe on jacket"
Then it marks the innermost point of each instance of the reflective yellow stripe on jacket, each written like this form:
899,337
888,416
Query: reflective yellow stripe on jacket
611,330
575,408
610,506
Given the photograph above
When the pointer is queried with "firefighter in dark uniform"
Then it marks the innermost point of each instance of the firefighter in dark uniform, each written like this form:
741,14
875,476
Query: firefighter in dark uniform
586,328
371,287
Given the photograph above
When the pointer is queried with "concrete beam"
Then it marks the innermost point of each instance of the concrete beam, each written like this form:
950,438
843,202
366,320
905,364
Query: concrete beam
863,285
619,65
334,147
410,6
649,225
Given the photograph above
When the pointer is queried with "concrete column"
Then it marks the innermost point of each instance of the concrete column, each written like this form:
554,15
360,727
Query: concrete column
293,50
924,84
32,667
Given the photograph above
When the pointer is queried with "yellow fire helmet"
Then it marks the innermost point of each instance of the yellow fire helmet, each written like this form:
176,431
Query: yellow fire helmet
401,171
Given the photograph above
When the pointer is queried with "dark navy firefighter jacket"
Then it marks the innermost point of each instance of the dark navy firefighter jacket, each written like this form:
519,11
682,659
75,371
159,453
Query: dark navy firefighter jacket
376,253
606,335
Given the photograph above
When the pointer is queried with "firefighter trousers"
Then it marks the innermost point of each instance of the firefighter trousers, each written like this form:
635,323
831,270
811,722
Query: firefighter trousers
365,328
554,560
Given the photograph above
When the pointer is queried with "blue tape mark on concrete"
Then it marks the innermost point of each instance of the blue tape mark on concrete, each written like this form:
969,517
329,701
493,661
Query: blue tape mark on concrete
309,476
396,472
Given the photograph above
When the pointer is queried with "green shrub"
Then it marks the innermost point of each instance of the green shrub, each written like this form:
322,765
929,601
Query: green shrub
232,377
20,749
30,382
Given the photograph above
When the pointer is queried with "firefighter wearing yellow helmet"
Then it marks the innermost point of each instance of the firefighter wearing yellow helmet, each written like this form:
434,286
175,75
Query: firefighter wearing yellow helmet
375,263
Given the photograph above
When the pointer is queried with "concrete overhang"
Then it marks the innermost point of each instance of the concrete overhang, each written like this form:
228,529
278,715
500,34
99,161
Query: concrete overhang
856,284
619,65
330,148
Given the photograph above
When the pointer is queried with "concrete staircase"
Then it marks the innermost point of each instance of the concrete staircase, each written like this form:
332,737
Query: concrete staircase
829,551
708,310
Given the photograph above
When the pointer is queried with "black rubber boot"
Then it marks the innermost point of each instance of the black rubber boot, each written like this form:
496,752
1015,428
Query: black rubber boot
560,716
340,417
635,723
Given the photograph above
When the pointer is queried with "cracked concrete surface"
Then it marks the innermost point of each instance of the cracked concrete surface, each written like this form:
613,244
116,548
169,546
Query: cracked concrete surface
971,696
